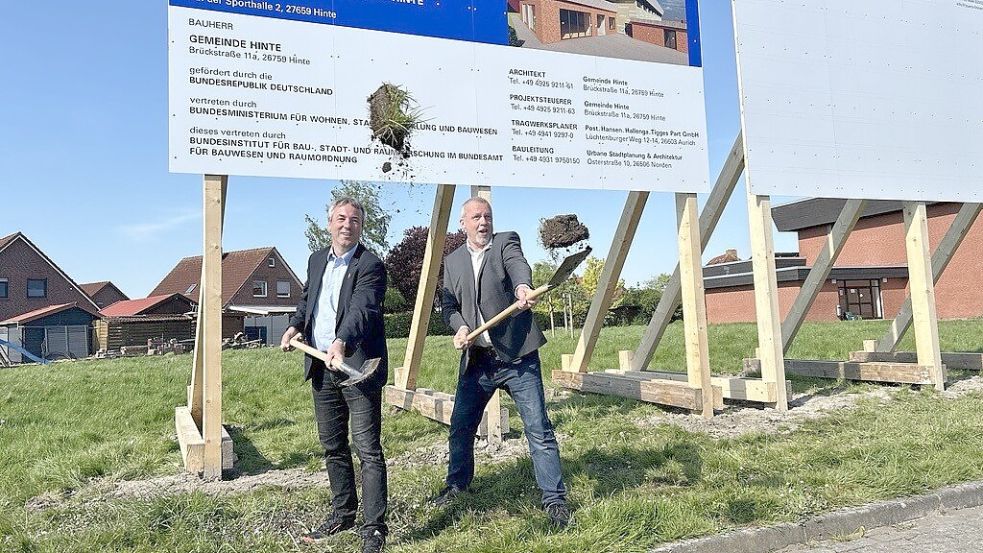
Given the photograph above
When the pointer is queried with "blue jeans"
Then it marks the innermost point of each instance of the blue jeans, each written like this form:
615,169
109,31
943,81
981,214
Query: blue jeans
523,381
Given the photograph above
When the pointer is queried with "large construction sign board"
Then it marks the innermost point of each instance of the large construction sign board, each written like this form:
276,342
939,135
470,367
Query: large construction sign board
871,99
550,93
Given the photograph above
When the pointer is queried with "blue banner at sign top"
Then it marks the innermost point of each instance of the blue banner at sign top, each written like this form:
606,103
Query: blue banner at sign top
472,20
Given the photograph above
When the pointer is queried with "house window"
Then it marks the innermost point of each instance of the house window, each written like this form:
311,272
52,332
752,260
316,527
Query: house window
191,288
283,288
670,38
37,287
271,263
4,288
259,288
573,24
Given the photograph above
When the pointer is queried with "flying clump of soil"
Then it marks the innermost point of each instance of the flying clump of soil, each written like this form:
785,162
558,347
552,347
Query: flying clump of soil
562,231
393,116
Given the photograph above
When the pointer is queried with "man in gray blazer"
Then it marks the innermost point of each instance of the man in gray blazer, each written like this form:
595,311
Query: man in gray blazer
481,278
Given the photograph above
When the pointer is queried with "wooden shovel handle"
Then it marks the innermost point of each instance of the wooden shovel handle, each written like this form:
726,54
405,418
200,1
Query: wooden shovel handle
295,342
506,313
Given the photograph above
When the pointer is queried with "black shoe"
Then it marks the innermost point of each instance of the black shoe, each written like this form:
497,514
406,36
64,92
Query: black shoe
335,524
373,543
446,495
559,514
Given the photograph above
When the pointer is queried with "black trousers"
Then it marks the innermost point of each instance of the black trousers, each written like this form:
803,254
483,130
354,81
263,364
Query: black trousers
334,407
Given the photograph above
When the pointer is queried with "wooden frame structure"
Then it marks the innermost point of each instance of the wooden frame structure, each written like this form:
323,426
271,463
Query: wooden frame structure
879,362
685,288
405,394
206,446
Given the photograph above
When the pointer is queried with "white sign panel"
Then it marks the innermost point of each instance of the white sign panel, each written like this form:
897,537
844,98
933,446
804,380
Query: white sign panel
251,93
872,99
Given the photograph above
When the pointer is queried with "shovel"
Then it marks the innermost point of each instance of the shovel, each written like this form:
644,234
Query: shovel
562,273
355,376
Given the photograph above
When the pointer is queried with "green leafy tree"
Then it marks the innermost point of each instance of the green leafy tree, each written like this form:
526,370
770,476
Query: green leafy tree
375,228
591,280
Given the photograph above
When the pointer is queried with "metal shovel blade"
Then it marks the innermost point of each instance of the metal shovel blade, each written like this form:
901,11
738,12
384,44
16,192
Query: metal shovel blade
358,375
567,267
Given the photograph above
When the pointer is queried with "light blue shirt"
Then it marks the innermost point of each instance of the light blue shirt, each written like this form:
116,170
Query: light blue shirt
326,309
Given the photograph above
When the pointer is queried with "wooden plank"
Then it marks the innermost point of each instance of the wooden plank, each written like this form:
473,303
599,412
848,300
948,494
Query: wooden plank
193,445
496,432
732,387
624,359
432,257
211,310
661,392
766,295
952,360
730,174
821,269
922,288
196,386
437,406
694,300
943,254
613,263
897,373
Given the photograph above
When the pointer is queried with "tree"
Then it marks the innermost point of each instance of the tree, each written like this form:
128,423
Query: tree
591,279
375,228
404,262
646,296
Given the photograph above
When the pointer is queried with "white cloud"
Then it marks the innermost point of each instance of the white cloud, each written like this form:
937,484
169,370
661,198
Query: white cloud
146,231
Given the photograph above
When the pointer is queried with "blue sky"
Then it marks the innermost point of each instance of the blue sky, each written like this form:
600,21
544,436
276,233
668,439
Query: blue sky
83,158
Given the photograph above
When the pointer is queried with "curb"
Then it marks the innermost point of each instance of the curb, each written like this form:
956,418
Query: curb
839,523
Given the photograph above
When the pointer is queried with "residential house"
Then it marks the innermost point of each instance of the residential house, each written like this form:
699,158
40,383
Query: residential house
30,280
30,283
103,293
259,291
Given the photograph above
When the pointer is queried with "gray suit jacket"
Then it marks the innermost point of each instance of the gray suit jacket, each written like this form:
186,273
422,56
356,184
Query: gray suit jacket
502,270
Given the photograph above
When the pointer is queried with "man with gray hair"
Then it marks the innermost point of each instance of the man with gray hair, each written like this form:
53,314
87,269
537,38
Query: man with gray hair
481,278
340,313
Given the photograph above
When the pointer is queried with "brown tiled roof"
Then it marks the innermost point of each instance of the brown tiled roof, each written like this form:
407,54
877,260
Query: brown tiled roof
729,257
93,288
237,267
7,239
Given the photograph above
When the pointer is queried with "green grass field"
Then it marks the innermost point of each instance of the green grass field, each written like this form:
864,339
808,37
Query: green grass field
67,426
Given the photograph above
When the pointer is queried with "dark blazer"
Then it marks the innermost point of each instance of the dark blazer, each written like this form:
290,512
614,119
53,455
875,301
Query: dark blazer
502,270
359,321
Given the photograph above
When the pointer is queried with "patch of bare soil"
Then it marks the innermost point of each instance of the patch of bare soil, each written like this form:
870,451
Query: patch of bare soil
963,387
288,479
738,420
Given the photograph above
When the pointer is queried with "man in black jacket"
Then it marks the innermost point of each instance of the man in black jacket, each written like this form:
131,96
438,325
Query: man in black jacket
481,278
340,313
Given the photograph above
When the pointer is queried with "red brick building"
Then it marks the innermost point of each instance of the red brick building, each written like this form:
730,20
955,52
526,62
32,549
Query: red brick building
30,280
870,277
104,293
668,34
259,291
556,20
